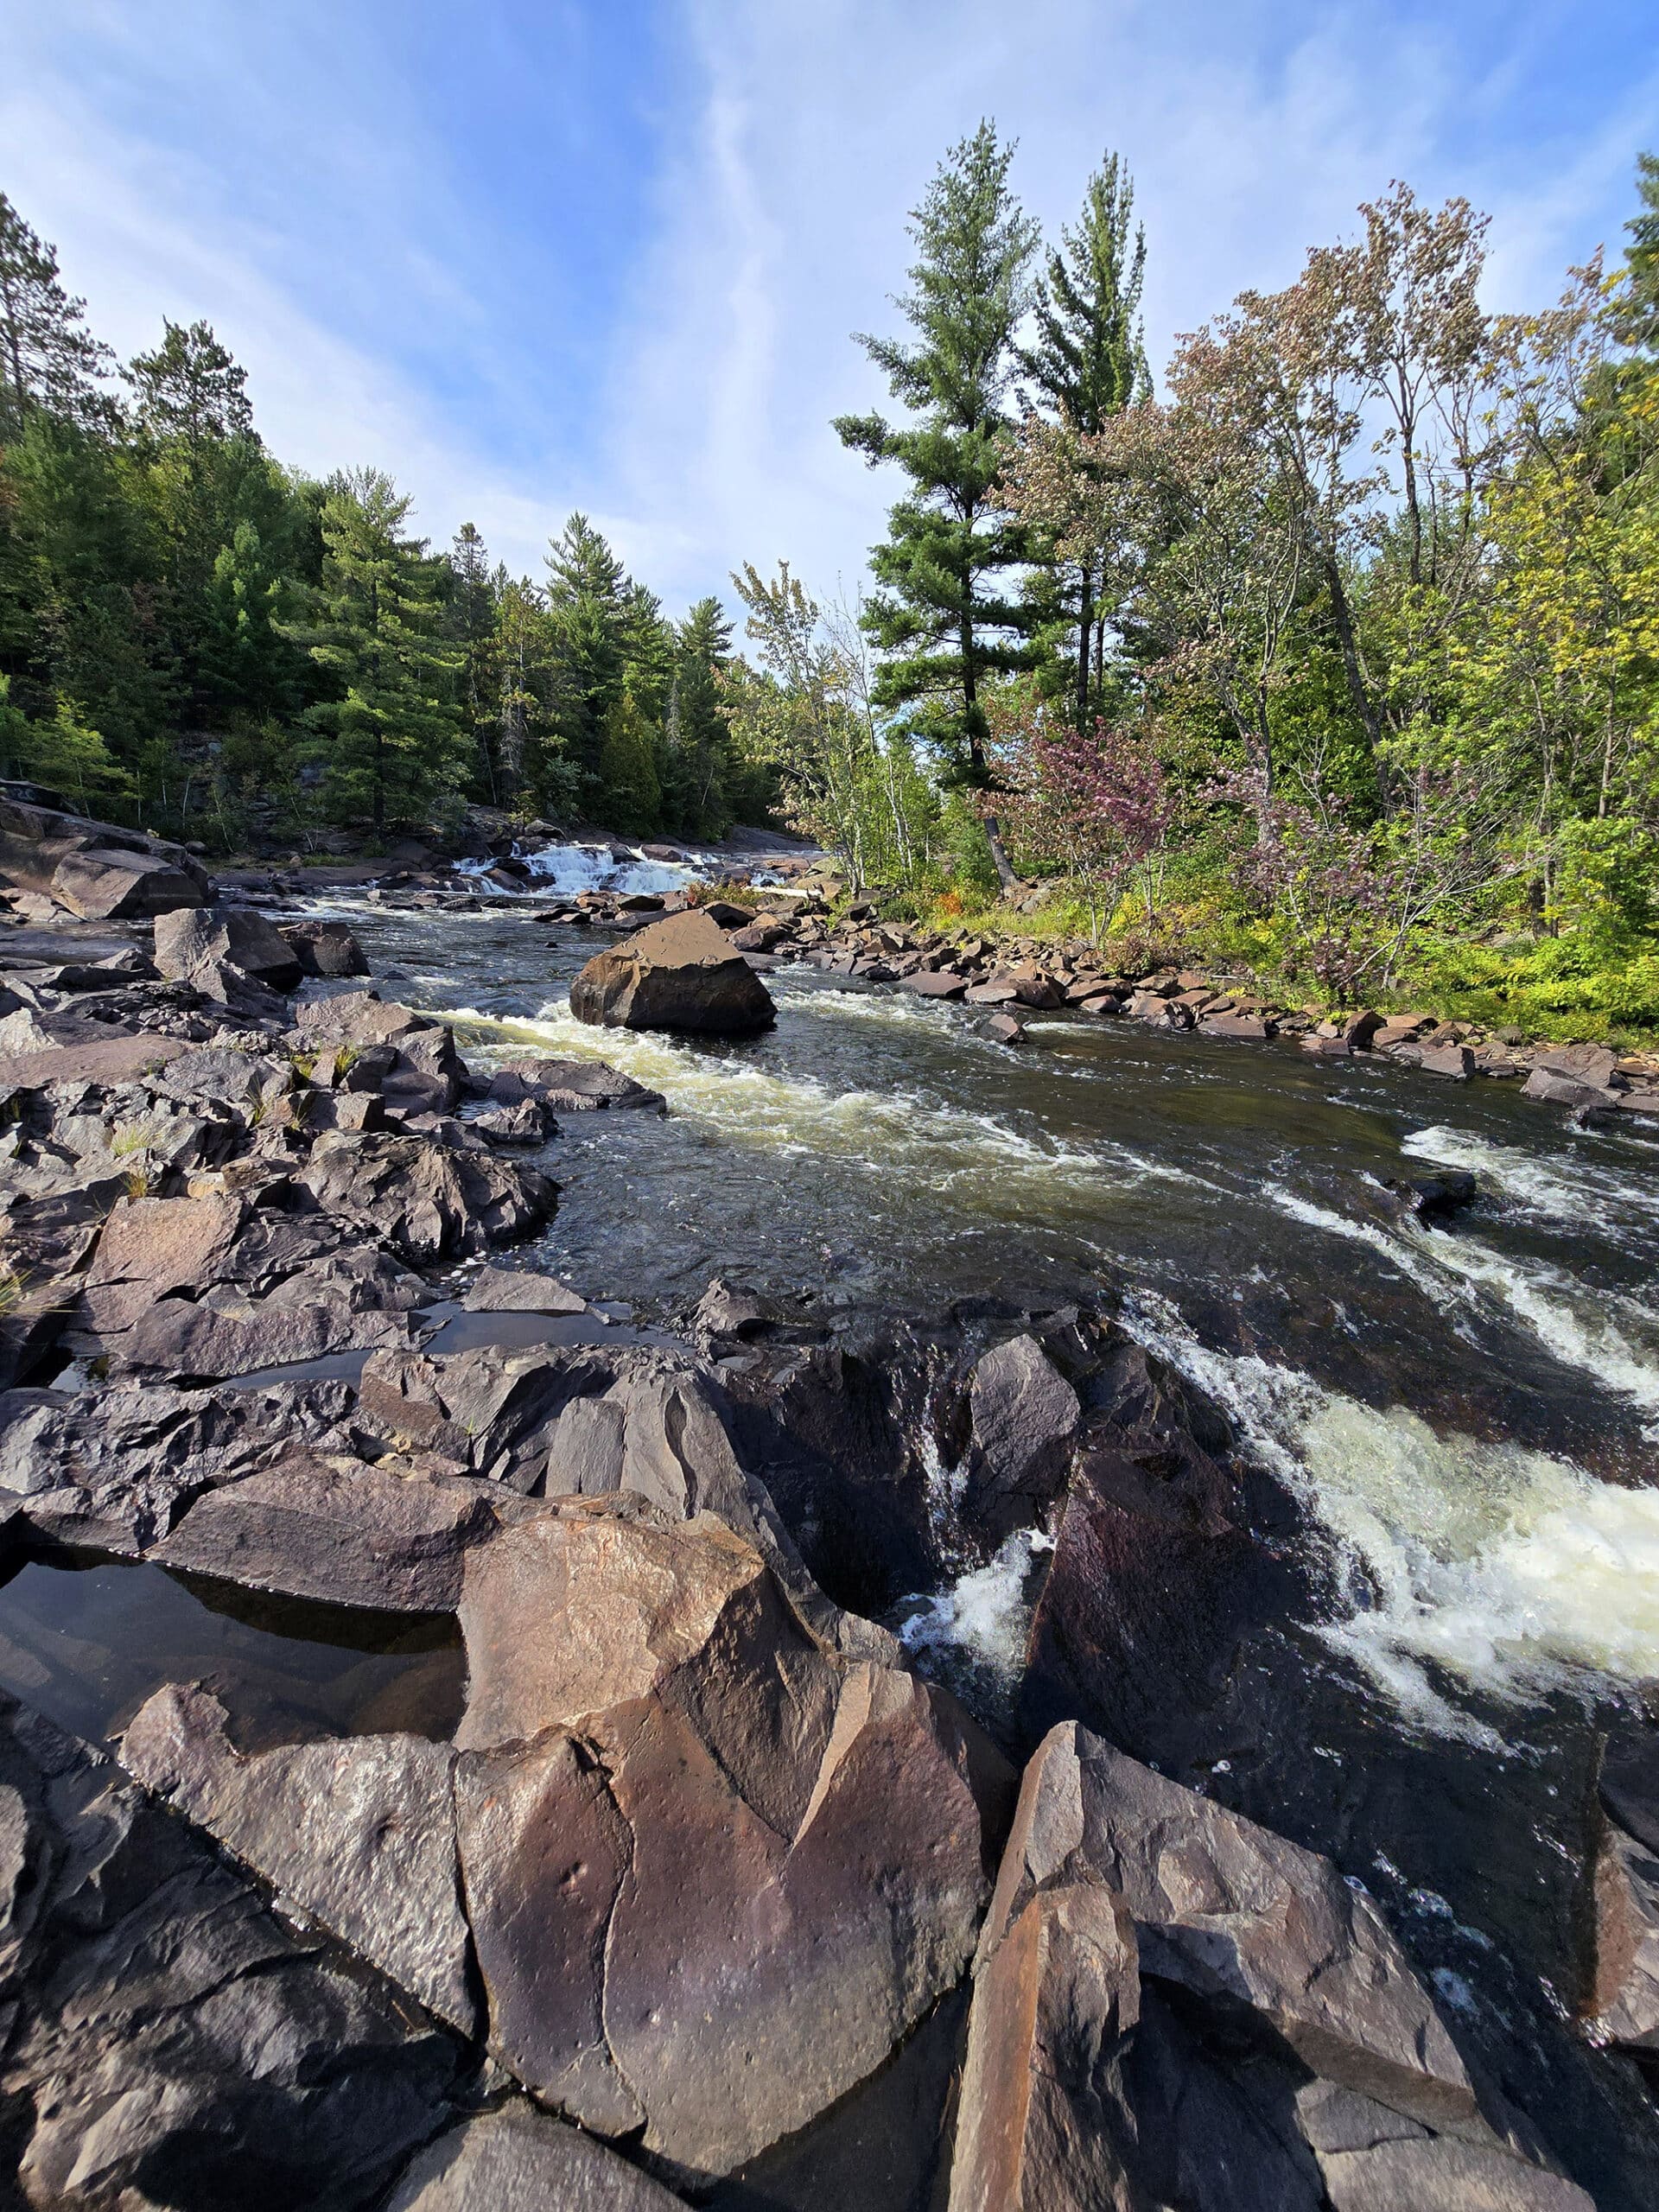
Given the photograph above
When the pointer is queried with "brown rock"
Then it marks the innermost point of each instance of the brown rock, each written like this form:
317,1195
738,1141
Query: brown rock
518,2159
934,983
192,939
1025,1418
431,1202
1570,1090
1454,1060
338,1530
679,973
509,1290
103,885
325,947
1238,1916
1625,1995
359,1833
1049,2002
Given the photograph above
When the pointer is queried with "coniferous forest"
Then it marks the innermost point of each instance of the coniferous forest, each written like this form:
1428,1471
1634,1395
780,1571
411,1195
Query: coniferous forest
1333,649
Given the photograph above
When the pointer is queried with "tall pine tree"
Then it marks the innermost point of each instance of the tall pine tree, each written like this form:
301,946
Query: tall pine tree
396,751
1088,358
48,358
946,614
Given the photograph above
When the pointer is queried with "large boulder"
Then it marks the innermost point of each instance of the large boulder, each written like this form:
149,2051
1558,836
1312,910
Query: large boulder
102,885
678,973
97,871
322,948
1173,2005
170,2040
193,939
1025,1418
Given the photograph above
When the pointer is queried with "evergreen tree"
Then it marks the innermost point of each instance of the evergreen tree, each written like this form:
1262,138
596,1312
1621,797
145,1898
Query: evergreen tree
588,621
1638,317
470,624
944,616
48,358
696,777
1088,358
190,392
396,749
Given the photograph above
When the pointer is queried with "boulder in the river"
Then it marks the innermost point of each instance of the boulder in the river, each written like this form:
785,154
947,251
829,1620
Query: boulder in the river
681,973
1024,1417
194,938
569,1086
1591,1064
1456,1061
1569,1090
322,948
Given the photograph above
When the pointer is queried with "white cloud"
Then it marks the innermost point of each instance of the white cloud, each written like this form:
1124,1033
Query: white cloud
280,173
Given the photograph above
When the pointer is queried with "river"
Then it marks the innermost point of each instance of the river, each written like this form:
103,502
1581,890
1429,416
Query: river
1466,1415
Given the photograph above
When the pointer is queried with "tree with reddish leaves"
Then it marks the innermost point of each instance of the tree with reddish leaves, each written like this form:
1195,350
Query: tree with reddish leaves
1093,807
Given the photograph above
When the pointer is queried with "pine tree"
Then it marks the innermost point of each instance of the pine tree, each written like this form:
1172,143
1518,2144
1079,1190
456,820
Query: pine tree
470,624
588,619
190,391
48,358
1638,317
696,747
1088,360
944,616
396,749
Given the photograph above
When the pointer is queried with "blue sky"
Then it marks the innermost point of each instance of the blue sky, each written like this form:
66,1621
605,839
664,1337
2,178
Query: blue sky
536,254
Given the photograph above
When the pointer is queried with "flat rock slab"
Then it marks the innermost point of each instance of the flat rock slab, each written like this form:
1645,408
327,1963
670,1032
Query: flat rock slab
359,1832
510,1290
102,1059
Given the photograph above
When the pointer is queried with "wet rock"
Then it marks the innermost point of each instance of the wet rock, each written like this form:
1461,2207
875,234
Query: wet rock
328,949
511,1290
1431,1197
530,1122
1025,1418
1239,1918
569,1086
1006,1029
1370,2157
680,974
168,2037
336,1530
728,1311
193,938
518,2159
430,1203
1624,1993
359,1833
1570,1090
1157,1581
934,983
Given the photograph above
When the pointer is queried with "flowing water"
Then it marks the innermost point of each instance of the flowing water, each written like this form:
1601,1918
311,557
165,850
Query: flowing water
1467,1414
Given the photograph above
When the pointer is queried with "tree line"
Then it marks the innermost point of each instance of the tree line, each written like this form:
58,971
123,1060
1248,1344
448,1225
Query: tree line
1342,655
197,639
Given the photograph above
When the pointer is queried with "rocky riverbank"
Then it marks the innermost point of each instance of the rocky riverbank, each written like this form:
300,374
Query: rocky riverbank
708,1898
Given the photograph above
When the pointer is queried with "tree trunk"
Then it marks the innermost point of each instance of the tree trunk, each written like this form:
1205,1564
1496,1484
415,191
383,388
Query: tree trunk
1005,875
1358,691
1084,640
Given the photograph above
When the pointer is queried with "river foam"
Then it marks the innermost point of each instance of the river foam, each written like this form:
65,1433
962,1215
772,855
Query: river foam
1580,1193
1482,1561
939,1144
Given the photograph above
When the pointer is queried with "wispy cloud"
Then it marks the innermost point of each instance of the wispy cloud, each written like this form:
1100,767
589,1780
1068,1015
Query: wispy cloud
530,258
